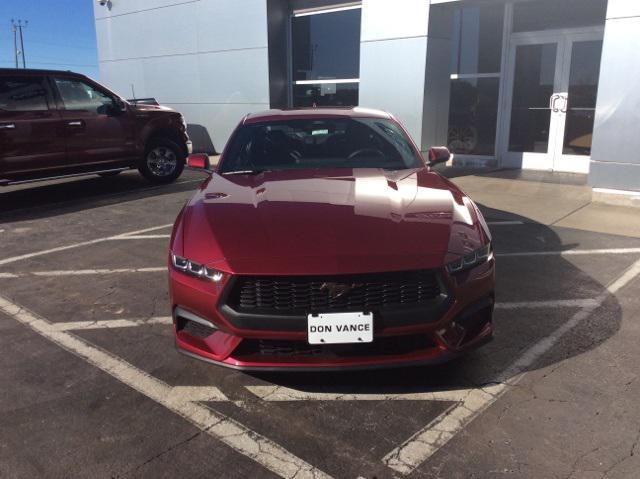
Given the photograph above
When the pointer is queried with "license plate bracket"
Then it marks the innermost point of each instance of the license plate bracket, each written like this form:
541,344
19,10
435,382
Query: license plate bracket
340,328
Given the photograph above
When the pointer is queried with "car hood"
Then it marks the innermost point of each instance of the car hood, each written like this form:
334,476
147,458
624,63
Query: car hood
142,107
329,221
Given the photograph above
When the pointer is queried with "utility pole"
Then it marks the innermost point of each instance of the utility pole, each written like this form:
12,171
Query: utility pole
17,27
15,45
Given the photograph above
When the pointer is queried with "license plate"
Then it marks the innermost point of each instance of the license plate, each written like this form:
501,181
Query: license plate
340,328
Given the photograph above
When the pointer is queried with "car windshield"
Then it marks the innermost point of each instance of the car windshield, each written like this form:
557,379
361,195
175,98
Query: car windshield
319,143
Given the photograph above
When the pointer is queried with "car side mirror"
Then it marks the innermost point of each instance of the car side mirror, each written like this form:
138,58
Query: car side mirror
438,154
199,161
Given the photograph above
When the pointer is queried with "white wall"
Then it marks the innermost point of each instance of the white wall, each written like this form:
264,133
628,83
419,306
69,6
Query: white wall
393,55
207,59
615,157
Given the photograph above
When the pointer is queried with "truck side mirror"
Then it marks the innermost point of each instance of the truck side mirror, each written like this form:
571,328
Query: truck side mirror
438,154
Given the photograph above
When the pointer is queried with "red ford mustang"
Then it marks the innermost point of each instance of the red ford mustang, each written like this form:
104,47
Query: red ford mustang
323,240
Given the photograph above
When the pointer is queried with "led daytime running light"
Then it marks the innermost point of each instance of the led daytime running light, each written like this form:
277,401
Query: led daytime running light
470,260
196,269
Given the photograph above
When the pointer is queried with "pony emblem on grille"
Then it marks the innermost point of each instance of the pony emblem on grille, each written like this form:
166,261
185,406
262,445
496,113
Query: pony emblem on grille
338,290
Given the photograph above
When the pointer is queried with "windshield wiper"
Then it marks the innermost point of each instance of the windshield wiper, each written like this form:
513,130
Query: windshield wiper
244,172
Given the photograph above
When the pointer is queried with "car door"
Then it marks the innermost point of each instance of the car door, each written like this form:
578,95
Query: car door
99,131
31,129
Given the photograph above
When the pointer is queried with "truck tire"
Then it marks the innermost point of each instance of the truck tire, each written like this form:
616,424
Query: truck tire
163,161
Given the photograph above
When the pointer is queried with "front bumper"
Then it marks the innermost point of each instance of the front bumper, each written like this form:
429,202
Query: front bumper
464,325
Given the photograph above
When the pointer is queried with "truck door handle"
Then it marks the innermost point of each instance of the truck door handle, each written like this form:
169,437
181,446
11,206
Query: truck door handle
8,126
76,123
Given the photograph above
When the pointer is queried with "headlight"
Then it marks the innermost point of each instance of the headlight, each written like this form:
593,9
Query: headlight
196,269
470,260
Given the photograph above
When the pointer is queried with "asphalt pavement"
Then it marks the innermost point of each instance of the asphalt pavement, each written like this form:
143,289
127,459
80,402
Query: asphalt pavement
91,385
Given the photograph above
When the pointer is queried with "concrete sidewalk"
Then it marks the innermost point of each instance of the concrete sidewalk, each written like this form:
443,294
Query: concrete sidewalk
553,199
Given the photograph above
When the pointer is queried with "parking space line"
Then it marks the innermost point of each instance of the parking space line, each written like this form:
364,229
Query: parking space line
110,323
557,303
422,445
229,431
137,237
282,394
78,245
83,272
571,252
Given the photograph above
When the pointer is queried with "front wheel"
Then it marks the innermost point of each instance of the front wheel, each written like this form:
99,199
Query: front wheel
163,161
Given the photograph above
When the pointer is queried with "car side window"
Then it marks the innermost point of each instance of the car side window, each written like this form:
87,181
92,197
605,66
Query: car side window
78,95
23,94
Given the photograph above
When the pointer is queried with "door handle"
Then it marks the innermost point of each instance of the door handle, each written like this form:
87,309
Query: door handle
8,126
76,123
554,100
565,103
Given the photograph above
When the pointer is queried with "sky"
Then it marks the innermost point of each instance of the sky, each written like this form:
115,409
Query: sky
60,35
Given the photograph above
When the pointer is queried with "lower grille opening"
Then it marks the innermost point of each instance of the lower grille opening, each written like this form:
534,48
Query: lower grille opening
193,328
384,346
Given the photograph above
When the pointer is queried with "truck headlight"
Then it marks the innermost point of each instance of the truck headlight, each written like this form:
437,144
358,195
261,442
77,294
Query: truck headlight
470,260
196,269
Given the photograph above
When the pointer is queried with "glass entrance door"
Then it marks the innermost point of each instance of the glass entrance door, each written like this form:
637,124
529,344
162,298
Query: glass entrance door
551,95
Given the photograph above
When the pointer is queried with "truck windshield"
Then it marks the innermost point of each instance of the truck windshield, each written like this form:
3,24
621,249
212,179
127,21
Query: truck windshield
319,143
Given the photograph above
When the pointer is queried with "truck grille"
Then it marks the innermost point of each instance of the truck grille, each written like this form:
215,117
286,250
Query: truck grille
318,294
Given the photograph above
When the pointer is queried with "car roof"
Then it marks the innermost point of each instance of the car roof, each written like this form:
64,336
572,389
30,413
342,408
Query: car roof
304,113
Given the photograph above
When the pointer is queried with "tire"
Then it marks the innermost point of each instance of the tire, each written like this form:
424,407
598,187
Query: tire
163,161
109,174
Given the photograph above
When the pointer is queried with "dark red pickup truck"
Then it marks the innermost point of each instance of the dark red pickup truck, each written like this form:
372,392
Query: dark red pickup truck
57,124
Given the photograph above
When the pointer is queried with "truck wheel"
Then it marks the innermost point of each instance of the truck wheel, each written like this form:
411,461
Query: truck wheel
163,161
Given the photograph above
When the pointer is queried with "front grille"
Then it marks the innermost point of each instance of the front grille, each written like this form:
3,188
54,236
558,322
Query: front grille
321,294
383,346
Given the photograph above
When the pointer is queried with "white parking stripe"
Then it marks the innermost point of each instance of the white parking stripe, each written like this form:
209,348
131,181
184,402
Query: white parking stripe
558,303
417,449
137,237
281,394
83,272
8,275
571,252
227,430
110,323
78,245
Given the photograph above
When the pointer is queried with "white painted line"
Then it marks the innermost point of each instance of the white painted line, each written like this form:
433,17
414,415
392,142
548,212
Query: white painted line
422,445
282,394
571,252
504,223
180,395
558,303
78,245
232,433
8,275
110,323
84,272
137,237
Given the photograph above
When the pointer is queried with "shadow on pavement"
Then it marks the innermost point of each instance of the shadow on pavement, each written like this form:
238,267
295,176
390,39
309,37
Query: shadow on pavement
45,200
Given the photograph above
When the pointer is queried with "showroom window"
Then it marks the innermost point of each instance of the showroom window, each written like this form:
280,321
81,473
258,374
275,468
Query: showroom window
325,63
475,79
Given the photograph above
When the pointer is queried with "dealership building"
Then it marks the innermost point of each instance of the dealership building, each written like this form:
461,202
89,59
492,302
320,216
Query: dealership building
532,84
